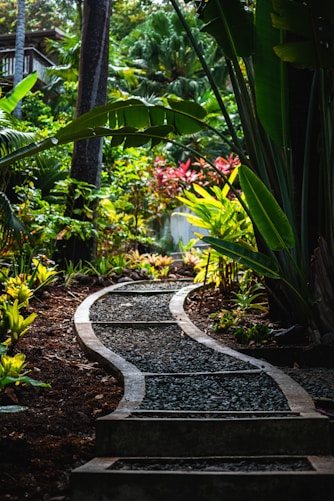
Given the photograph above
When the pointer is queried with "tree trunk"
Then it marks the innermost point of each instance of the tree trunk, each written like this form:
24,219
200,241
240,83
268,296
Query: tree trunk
92,91
19,51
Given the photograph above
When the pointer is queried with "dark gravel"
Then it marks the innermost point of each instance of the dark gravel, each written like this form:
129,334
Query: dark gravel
250,392
126,307
164,349
317,381
214,464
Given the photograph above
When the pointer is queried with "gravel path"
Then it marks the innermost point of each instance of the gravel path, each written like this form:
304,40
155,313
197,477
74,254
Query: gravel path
251,392
163,351
214,464
126,307
165,348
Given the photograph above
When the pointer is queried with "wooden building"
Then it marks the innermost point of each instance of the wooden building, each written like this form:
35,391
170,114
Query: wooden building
35,58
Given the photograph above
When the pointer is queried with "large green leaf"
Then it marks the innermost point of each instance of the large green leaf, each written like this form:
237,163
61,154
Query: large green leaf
265,211
231,23
270,77
256,261
312,24
183,116
154,123
9,103
183,122
302,55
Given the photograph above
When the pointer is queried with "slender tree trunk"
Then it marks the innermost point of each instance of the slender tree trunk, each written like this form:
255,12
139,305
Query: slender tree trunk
92,91
19,51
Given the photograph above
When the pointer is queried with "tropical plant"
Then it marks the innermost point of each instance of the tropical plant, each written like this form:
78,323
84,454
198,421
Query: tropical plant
161,49
271,55
224,217
254,333
246,298
11,229
13,371
13,323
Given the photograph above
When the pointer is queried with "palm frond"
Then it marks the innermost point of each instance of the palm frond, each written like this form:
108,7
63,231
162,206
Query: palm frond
11,139
12,231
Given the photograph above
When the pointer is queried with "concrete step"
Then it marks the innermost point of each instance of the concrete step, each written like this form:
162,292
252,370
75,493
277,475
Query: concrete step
120,435
164,479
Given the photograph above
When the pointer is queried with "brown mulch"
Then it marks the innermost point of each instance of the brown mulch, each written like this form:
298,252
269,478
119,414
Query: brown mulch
40,446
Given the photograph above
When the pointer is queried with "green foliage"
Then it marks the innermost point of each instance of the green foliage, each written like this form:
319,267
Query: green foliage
161,49
277,234
13,371
315,48
35,110
105,266
17,289
266,213
72,271
259,83
235,320
155,265
129,203
131,123
19,282
256,333
270,128
40,14
12,231
223,217
247,297
13,323
9,103
224,320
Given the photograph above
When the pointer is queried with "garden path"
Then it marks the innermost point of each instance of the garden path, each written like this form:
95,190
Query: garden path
197,419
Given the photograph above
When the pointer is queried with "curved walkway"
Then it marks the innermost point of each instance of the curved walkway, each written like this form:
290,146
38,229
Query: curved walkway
293,432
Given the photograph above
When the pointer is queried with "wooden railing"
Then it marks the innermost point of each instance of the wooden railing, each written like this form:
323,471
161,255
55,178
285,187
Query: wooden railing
33,61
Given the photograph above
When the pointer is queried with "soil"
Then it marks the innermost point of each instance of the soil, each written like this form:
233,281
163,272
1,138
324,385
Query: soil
286,346
39,447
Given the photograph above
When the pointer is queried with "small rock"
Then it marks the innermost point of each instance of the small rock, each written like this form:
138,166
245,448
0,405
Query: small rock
124,279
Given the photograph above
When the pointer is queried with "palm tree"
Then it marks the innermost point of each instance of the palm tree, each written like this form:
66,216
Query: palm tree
160,48
92,91
19,51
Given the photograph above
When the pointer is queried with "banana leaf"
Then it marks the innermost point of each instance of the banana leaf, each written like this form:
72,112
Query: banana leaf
231,23
260,263
312,24
154,124
270,77
271,221
9,103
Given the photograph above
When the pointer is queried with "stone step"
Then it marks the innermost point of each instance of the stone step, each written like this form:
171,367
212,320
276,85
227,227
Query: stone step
164,479
121,435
